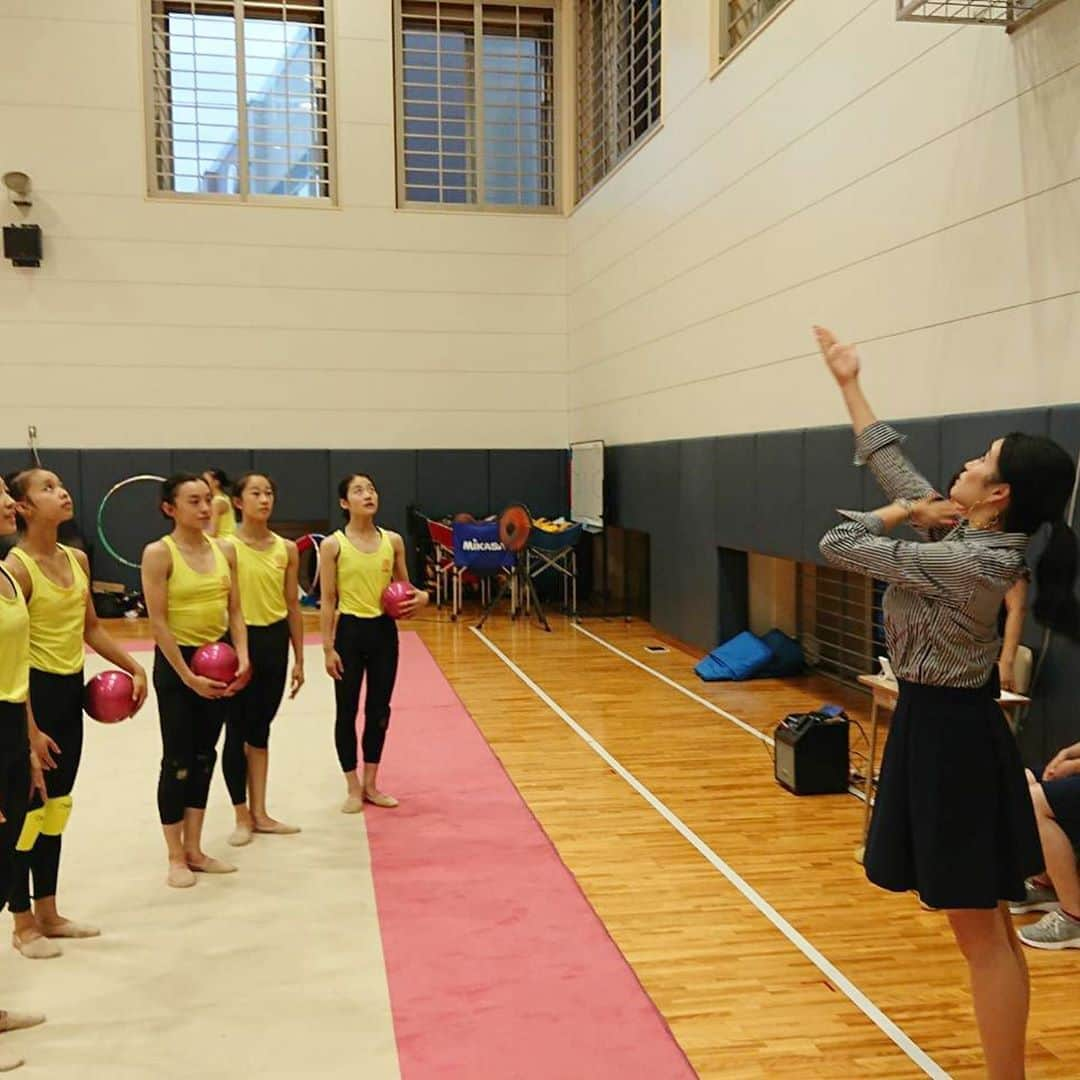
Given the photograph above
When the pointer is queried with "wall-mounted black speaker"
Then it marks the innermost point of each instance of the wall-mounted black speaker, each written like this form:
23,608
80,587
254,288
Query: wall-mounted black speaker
22,244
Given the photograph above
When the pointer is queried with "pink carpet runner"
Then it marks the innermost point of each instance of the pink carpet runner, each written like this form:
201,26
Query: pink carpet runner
497,964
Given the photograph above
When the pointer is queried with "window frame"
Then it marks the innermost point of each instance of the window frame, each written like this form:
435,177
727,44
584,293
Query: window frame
481,207
581,196
723,50
155,193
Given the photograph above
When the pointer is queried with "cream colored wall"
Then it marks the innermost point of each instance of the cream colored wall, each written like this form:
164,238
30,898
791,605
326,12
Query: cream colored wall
183,324
914,186
773,595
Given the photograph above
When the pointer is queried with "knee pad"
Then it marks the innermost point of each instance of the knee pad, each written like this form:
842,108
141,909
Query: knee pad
31,830
204,764
57,812
172,769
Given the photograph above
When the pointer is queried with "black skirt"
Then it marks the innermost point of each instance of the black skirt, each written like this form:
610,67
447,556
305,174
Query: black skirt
953,819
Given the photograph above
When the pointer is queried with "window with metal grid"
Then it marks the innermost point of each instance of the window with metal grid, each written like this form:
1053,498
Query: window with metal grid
238,99
840,621
476,103
618,82
740,18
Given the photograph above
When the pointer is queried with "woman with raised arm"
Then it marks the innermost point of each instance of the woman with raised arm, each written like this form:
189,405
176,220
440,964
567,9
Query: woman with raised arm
953,819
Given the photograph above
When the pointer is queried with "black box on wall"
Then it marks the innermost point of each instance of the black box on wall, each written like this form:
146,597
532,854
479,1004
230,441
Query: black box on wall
22,244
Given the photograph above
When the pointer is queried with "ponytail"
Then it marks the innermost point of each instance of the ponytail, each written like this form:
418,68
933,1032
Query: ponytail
1056,605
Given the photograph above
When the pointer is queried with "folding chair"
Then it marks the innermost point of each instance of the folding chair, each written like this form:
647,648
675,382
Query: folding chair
557,552
442,542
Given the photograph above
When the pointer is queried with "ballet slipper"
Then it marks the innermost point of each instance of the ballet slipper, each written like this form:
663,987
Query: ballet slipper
210,865
241,836
377,798
38,948
70,929
278,829
9,1062
15,1021
353,804
180,876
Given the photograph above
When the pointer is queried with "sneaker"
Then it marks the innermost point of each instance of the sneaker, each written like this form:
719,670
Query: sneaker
1037,897
1053,931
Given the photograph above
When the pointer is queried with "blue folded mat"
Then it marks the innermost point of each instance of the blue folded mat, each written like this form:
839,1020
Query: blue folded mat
746,656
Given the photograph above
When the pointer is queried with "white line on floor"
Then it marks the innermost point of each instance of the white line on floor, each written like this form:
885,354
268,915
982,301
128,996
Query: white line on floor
826,967
749,729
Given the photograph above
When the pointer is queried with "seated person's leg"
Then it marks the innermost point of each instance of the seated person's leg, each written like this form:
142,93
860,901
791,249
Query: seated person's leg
1057,813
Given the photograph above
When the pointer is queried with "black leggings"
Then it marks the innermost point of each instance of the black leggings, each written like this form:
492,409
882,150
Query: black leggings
254,708
364,645
14,788
57,702
190,727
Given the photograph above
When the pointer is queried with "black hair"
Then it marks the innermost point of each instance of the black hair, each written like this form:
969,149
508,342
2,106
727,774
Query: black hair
244,479
1041,478
343,487
219,476
174,483
17,483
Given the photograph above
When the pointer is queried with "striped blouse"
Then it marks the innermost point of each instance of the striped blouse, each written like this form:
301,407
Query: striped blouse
945,591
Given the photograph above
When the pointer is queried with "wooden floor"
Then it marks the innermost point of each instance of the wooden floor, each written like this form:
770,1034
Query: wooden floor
740,998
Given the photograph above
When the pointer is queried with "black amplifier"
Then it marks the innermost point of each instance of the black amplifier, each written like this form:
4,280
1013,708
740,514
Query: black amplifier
812,752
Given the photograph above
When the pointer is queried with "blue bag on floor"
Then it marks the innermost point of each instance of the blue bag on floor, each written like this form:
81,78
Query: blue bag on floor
787,657
740,658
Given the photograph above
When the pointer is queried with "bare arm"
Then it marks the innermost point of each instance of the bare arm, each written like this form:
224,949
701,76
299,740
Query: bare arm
328,600
876,444
419,597
105,645
296,618
1015,608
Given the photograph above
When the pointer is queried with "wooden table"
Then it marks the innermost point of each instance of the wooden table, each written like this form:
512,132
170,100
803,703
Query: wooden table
884,693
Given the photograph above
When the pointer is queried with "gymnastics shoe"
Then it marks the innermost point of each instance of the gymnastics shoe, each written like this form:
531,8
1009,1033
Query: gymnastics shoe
39,948
14,1021
241,836
210,865
180,876
279,828
70,929
377,798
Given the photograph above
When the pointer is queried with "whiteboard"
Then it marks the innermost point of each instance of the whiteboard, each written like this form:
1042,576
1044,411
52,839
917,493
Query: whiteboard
587,483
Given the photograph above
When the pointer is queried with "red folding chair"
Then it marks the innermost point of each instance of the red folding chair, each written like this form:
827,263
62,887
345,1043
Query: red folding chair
442,542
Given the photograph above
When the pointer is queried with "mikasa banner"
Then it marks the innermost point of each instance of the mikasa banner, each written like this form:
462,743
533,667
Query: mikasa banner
477,546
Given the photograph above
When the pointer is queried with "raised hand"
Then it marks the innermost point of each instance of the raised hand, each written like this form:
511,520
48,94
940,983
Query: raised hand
842,360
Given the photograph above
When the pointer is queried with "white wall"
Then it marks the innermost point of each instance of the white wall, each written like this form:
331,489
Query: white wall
167,324
914,186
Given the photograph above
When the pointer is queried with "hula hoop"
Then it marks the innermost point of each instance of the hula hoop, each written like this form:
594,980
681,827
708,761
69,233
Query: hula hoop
101,515
310,541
